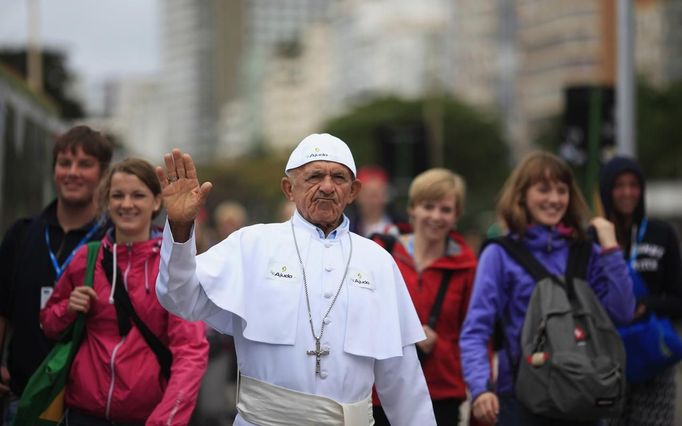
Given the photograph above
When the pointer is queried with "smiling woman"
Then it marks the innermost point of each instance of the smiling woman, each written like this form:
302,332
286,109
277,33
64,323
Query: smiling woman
133,199
545,213
438,268
132,196
152,375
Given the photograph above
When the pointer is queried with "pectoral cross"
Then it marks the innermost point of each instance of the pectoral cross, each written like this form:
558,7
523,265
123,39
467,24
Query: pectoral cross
318,352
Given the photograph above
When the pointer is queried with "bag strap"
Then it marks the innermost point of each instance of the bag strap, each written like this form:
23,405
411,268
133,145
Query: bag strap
93,249
438,303
530,264
163,354
523,257
578,259
387,241
79,324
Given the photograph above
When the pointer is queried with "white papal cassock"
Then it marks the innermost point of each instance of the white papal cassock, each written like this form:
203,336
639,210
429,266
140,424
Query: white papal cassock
250,286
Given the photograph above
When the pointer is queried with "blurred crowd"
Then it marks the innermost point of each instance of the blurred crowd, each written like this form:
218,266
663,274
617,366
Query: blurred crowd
184,372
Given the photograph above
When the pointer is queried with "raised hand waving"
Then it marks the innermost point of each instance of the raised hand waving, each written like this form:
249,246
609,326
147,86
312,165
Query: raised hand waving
182,194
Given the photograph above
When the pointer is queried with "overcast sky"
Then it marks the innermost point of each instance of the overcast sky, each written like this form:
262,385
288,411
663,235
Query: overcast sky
101,38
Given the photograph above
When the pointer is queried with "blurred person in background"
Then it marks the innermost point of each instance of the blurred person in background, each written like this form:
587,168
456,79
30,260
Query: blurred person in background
204,232
35,251
371,213
216,405
285,211
116,377
228,217
433,258
542,208
651,248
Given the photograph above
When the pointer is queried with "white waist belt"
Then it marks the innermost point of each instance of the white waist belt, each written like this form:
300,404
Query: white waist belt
265,404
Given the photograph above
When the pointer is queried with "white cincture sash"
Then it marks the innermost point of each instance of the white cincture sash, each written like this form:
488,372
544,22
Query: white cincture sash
262,403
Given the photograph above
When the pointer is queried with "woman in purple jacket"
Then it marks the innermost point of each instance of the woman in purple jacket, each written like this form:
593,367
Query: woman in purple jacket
541,206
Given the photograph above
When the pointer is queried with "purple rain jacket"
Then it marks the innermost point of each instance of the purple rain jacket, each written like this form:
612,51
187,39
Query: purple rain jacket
502,290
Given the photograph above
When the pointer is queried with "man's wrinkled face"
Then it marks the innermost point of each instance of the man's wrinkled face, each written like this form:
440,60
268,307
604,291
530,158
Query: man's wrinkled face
321,191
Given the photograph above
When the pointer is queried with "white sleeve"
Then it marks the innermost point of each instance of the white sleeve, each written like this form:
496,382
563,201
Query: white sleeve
177,285
402,389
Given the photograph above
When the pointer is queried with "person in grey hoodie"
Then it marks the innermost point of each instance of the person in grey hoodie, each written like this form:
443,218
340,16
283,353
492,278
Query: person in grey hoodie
542,207
652,249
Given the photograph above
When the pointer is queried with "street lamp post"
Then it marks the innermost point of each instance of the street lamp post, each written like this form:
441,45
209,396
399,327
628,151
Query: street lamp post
625,87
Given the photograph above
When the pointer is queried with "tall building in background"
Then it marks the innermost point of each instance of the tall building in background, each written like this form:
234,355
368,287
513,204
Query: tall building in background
518,56
391,47
297,87
202,49
245,74
658,42
560,44
273,71
486,56
136,117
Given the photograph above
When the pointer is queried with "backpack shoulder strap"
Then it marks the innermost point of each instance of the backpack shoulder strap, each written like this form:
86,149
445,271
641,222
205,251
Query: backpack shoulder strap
75,334
163,354
438,304
386,240
93,249
523,257
576,265
578,258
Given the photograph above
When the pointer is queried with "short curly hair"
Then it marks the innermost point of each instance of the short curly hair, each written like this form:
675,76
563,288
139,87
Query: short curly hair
91,141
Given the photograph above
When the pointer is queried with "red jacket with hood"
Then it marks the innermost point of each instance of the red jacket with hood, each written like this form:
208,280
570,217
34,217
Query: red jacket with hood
442,367
119,378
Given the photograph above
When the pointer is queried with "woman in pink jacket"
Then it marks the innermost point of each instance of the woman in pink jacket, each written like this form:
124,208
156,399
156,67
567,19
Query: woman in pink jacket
116,377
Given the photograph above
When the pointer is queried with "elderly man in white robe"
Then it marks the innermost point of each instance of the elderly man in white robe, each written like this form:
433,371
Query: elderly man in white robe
318,314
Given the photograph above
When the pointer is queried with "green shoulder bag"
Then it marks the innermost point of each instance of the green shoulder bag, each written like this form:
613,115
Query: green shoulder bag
42,402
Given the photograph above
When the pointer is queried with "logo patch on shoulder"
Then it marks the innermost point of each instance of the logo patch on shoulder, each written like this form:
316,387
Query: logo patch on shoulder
361,279
278,270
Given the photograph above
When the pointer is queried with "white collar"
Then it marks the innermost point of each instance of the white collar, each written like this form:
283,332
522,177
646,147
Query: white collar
300,221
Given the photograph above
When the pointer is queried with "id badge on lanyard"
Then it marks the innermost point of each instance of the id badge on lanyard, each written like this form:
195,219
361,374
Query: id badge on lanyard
46,291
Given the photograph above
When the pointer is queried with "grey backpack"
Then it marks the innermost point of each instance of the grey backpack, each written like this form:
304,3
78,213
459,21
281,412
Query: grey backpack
572,359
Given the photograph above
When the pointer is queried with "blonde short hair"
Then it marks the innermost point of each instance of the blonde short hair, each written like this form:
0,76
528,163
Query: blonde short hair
434,184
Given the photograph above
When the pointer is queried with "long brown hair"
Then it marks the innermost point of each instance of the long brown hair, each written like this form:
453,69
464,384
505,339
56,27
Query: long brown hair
540,167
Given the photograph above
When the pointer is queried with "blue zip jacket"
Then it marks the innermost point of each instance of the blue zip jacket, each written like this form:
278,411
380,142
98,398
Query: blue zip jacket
502,290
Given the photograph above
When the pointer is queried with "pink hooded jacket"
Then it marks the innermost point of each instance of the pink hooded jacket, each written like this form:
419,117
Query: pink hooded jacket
118,377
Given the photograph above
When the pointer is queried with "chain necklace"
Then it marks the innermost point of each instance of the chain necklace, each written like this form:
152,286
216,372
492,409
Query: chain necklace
318,352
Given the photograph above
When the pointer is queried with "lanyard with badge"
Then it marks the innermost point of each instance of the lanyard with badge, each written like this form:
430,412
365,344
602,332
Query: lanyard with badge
46,292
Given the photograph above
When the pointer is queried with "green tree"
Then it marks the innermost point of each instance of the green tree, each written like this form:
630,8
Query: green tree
659,144
56,78
253,181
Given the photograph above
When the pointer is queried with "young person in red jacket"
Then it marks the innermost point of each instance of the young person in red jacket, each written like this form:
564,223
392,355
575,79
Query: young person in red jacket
116,377
429,254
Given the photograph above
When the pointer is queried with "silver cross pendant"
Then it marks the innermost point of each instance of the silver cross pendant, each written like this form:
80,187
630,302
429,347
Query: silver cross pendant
318,353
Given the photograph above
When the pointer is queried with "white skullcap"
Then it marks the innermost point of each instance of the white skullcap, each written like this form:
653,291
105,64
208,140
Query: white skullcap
321,147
